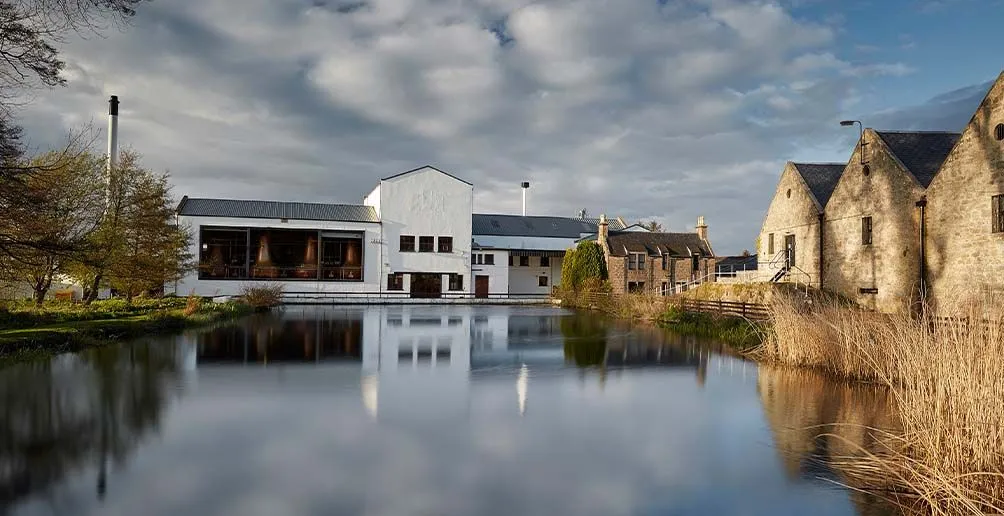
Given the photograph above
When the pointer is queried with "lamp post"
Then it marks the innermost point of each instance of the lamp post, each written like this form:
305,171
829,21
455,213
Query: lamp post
861,136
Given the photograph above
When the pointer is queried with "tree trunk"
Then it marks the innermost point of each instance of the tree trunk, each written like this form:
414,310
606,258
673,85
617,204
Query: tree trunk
92,292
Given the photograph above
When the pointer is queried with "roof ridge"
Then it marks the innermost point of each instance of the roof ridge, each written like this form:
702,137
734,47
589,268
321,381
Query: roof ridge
273,201
891,131
837,163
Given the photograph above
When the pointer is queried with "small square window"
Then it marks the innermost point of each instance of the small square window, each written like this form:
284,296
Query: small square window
445,244
489,259
541,281
524,261
395,281
456,281
426,244
407,244
545,261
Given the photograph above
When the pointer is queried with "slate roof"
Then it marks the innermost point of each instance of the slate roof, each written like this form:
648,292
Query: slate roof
276,210
922,152
737,263
535,226
675,244
821,177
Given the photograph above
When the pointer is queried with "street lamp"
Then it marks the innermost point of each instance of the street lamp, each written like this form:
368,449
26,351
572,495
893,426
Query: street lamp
861,136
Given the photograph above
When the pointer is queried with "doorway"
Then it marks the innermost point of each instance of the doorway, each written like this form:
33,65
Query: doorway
481,286
789,248
426,286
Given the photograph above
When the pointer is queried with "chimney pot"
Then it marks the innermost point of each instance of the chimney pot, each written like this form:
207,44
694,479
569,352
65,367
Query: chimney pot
702,228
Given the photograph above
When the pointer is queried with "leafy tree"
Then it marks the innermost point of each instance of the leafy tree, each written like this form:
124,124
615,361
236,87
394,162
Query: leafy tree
64,201
652,226
137,247
584,262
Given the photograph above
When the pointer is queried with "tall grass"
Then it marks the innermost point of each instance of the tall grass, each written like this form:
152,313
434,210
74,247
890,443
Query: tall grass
946,376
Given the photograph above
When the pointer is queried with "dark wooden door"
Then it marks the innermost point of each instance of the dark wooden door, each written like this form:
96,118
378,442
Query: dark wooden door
789,248
481,286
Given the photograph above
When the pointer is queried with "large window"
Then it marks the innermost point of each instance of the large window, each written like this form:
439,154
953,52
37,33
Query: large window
998,213
426,244
445,244
407,244
286,254
636,261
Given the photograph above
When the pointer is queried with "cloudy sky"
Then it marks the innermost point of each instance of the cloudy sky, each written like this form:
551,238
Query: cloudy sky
664,109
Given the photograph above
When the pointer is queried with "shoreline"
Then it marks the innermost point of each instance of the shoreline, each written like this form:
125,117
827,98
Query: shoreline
47,339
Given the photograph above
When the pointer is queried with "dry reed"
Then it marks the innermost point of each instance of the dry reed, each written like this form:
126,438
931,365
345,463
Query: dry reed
946,376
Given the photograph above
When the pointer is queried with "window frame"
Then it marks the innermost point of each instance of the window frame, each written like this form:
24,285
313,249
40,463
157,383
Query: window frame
542,281
867,231
489,259
455,287
524,261
444,244
770,244
545,261
997,213
406,248
430,240
395,282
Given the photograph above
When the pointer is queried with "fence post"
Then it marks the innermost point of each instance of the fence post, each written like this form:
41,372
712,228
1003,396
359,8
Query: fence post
744,309
721,309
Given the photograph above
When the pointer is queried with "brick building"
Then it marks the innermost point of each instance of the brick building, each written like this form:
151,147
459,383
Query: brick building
964,216
790,242
639,260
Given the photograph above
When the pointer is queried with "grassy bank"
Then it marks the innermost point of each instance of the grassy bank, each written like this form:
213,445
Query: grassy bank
27,332
946,377
739,334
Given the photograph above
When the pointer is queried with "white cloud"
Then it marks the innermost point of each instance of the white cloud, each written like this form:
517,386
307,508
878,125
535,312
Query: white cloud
598,103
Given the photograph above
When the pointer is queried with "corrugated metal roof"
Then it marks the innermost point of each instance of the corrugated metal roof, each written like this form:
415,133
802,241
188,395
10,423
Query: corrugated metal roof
276,210
534,226
921,152
822,178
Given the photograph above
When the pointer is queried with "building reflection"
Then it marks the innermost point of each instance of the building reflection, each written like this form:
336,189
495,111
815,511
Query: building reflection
815,421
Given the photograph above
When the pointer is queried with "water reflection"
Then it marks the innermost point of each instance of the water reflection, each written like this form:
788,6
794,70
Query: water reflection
815,420
417,410
82,411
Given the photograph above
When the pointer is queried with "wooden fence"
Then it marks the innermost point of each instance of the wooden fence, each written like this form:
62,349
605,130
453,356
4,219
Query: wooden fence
751,311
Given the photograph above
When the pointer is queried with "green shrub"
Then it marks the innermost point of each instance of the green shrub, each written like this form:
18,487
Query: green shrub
262,296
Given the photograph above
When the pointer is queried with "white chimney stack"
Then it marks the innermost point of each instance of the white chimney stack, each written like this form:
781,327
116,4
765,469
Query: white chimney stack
113,133
525,186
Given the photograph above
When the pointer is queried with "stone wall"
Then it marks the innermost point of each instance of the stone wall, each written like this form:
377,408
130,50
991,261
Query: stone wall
890,266
653,275
963,254
792,211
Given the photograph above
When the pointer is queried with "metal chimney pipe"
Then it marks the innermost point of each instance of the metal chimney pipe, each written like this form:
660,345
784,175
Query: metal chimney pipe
525,186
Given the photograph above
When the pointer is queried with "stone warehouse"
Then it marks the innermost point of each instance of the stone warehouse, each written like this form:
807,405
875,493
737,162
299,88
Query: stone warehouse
912,217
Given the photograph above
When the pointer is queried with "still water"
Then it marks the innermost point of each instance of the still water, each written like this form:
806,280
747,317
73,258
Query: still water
430,410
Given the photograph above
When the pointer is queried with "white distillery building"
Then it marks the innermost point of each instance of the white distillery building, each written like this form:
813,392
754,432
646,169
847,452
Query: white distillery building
414,236
522,255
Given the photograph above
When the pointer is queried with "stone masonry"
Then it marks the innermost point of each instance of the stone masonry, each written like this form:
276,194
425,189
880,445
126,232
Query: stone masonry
793,211
883,275
964,255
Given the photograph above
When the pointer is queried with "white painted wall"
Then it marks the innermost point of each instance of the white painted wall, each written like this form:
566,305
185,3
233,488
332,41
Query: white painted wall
524,280
498,274
427,202
371,257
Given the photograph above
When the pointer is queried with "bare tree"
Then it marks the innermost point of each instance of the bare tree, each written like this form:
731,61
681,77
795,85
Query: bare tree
652,226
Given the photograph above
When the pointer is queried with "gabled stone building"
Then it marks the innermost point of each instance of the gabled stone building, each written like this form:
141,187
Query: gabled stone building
790,238
964,215
871,235
639,260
